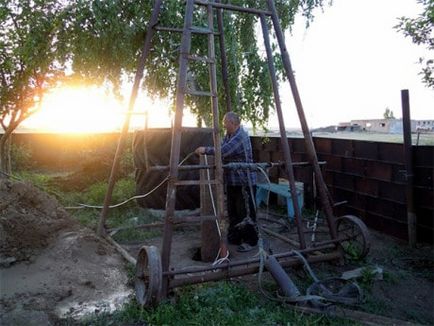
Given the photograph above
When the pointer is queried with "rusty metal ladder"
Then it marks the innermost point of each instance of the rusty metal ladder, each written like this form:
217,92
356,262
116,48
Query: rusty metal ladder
181,91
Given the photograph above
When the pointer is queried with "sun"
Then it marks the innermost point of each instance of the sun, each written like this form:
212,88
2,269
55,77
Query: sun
92,110
77,110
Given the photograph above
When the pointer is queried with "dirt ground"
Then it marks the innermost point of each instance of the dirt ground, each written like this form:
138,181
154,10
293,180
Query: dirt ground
52,268
404,292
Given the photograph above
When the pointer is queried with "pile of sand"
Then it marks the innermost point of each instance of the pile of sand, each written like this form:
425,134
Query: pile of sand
51,267
29,220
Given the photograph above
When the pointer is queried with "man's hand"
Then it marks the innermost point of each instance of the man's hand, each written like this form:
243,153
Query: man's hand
200,150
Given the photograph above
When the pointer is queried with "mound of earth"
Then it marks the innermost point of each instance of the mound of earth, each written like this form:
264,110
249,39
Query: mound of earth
29,220
51,267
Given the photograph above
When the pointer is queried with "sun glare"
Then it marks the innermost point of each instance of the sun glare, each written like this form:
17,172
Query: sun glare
76,110
91,110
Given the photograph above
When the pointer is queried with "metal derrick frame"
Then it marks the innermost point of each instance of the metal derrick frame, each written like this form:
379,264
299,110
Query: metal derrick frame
229,269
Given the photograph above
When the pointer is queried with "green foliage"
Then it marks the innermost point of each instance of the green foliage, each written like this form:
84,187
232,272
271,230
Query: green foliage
21,157
367,277
31,61
95,24
388,114
123,190
39,180
420,31
99,42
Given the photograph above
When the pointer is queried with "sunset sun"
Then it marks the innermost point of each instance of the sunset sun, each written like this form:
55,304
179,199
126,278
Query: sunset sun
77,110
92,110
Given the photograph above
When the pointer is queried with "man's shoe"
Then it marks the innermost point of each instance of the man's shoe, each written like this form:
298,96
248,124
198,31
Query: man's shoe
245,247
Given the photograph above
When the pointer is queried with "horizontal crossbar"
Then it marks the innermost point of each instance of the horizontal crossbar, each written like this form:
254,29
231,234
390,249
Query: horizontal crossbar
233,8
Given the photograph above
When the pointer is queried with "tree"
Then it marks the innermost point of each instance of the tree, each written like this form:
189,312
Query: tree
420,30
30,62
388,114
96,55
99,42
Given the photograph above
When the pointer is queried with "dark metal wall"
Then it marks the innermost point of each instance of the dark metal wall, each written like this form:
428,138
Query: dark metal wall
370,176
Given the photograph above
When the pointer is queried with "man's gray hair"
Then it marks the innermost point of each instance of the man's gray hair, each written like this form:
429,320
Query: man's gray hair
233,117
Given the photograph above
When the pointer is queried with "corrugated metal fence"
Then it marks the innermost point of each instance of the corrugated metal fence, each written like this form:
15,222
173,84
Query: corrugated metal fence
370,176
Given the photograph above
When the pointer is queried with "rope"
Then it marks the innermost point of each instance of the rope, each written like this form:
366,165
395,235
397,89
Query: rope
132,198
217,260
125,201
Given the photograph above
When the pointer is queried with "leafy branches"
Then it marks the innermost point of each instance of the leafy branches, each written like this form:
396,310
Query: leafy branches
47,42
30,60
420,30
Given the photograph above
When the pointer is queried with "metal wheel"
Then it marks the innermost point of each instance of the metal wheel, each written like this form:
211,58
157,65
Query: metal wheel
354,236
149,275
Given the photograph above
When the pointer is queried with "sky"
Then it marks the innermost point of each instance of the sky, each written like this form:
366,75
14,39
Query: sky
349,64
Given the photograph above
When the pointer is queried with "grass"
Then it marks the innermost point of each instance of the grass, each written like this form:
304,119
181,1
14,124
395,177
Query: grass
222,303
425,139
128,214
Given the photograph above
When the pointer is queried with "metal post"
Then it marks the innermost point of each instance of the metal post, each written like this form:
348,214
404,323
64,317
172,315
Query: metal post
310,148
176,143
210,239
223,59
145,141
408,154
283,138
216,124
122,139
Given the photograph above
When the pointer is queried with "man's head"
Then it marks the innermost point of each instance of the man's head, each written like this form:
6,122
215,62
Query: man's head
231,122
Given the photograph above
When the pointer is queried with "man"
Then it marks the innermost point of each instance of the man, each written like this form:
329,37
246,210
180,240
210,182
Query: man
240,184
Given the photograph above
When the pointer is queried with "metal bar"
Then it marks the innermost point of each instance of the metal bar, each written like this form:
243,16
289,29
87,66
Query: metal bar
283,139
216,119
194,182
408,154
218,275
281,237
145,142
241,165
123,137
209,230
202,30
233,8
182,167
121,250
193,270
169,29
195,30
223,59
310,148
176,143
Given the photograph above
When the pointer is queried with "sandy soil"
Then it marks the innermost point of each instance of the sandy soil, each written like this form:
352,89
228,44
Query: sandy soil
52,268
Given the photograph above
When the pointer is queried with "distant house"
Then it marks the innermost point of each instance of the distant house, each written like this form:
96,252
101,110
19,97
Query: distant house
391,126
424,125
348,126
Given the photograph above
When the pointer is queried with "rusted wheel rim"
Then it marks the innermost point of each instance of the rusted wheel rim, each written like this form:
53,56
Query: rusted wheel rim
355,236
149,276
